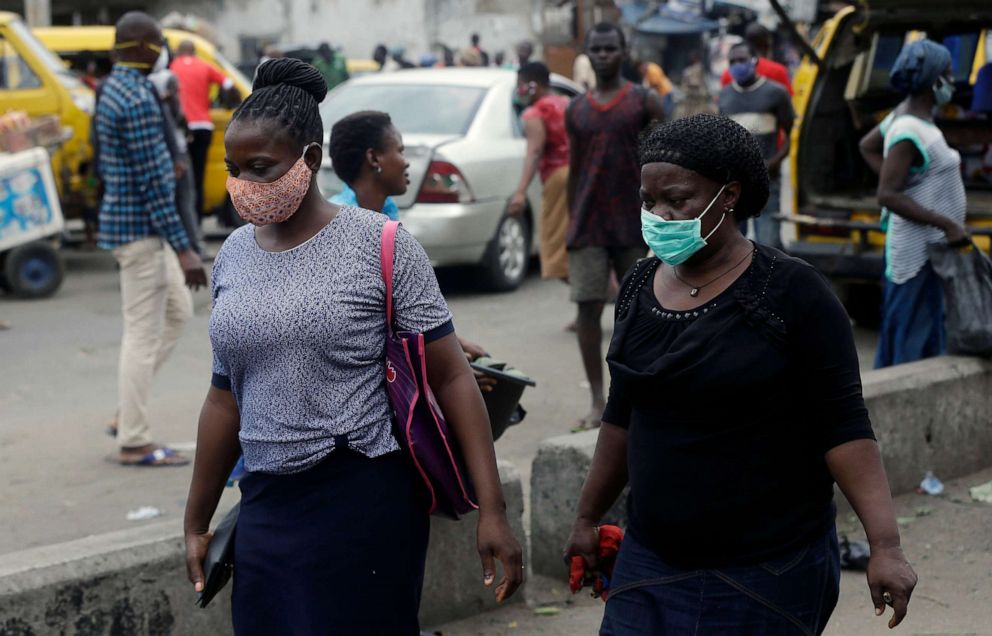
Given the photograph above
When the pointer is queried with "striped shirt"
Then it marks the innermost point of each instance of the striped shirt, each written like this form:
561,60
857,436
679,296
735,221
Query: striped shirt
936,185
139,200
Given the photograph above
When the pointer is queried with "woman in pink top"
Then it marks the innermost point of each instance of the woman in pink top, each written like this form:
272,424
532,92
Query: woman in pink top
547,152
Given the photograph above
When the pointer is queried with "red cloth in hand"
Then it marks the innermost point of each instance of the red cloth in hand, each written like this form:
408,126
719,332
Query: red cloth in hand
610,538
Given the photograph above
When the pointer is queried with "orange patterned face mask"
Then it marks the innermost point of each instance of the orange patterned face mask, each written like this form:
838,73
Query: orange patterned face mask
272,202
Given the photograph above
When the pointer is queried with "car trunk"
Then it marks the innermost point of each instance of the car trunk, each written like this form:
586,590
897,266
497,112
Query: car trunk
419,151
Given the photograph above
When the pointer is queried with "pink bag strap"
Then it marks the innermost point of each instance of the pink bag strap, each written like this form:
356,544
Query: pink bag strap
387,254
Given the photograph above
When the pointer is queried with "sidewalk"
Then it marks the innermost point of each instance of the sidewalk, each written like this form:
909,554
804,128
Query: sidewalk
948,539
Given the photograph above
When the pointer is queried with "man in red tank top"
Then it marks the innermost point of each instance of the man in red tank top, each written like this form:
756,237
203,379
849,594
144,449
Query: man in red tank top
196,78
604,180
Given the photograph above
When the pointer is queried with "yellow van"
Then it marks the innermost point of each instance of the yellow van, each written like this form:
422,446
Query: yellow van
842,95
75,44
357,68
35,81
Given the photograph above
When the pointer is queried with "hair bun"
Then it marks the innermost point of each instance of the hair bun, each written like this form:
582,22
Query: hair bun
291,72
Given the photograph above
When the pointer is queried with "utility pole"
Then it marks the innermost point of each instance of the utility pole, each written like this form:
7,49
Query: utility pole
580,22
38,13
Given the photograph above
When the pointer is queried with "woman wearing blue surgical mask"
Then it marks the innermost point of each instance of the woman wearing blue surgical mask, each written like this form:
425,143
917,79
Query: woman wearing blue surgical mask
923,198
735,406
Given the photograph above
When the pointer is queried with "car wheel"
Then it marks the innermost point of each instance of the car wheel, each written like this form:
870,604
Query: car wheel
508,256
33,270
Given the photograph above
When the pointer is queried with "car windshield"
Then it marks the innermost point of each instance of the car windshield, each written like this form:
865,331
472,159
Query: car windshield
50,60
414,108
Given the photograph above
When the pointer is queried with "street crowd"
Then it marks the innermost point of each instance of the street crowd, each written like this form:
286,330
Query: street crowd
648,203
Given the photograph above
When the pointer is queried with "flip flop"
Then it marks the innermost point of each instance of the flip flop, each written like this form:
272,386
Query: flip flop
585,424
159,457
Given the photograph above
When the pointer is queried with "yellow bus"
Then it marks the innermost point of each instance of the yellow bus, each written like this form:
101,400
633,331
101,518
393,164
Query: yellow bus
35,81
74,44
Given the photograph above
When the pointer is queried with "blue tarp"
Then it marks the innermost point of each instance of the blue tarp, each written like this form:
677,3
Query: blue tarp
631,13
665,21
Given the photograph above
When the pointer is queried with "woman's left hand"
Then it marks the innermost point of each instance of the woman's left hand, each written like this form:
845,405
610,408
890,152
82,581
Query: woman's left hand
472,353
496,541
891,581
472,350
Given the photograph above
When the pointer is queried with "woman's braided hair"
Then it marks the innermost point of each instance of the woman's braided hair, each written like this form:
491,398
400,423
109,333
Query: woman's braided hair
352,137
716,147
288,91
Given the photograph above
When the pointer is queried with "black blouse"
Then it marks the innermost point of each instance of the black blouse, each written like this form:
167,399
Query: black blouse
731,408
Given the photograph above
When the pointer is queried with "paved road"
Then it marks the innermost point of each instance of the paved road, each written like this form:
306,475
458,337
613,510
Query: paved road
58,367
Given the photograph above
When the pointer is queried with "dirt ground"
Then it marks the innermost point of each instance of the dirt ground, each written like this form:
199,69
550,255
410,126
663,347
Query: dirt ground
948,539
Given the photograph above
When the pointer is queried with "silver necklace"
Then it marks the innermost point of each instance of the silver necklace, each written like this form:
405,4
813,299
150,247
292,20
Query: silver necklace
694,289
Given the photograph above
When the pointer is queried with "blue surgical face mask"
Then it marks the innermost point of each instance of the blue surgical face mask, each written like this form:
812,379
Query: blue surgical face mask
742,71
674,242
943,91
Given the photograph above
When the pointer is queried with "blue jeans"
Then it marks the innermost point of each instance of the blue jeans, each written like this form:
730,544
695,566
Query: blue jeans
790,595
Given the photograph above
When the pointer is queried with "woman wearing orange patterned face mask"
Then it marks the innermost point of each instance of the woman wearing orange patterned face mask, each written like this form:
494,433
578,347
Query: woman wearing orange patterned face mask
332,525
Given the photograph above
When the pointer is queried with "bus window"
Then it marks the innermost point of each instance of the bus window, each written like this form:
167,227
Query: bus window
15,74
963,48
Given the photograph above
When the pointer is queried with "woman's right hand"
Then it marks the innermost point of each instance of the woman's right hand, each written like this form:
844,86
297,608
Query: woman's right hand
196,552
583,542
518,203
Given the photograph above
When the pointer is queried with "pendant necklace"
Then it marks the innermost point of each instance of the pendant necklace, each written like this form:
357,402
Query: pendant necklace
694,289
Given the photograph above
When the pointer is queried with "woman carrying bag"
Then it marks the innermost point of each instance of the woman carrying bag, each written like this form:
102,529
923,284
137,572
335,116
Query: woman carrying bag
920,186
333,525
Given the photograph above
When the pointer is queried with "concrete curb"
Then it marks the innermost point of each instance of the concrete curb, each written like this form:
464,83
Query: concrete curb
558,472
934,415
133,581
453,585
127,582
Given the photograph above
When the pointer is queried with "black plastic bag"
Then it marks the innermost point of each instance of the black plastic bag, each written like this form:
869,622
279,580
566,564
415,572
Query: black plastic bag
967,277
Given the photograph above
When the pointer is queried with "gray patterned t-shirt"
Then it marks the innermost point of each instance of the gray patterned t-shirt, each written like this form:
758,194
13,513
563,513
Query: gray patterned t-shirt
300,335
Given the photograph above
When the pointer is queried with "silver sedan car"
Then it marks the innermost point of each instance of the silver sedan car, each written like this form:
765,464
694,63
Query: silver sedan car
466,151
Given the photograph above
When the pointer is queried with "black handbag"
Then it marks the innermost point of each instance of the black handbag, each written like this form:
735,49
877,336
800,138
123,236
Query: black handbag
218,565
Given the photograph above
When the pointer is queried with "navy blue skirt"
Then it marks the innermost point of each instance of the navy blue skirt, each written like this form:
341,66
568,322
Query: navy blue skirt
912,320
336,549
792,595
